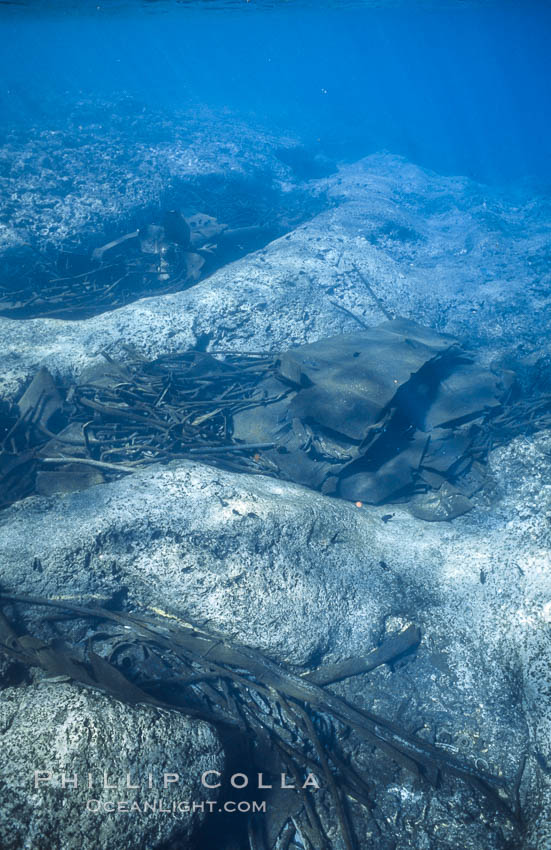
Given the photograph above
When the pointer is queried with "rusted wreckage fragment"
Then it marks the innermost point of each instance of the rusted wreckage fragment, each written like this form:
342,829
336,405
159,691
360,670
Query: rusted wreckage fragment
391,414
231,683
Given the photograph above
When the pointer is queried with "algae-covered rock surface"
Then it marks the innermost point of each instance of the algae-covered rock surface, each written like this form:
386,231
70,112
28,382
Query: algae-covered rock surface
308,579
81,770
397,241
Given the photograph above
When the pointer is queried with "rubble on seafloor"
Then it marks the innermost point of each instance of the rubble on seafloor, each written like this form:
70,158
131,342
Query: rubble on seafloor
162,400
386,414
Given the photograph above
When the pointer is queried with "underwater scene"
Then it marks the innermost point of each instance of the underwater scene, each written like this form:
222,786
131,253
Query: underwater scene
275,425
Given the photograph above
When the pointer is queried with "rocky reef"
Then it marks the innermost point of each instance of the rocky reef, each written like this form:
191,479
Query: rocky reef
307,579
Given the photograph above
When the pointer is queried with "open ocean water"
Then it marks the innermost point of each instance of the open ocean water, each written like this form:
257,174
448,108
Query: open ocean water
460,87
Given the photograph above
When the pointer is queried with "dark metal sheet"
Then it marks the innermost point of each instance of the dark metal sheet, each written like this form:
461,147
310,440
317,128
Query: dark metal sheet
349,381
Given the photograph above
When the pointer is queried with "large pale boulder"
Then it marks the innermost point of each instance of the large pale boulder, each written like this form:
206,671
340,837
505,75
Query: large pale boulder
308,579
58,739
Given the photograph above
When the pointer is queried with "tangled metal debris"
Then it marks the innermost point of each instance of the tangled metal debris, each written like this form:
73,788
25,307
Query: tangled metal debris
390,414
121,417
154,260
284,711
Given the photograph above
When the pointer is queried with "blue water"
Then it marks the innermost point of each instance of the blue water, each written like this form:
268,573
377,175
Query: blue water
459,87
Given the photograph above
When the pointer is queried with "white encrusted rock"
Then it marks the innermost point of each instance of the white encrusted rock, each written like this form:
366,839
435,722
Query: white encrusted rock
309,579
65,732
400,241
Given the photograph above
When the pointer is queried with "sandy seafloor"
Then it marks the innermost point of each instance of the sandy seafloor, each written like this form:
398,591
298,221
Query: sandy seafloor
281,568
